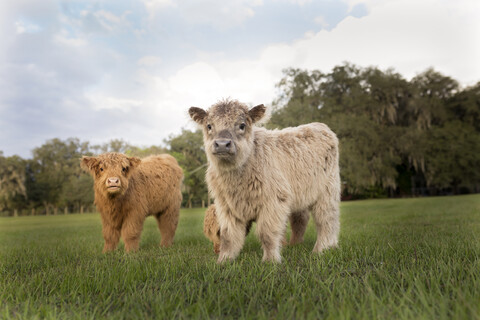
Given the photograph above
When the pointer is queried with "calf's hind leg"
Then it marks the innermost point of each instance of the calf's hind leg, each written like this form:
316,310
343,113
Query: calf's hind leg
299,222
326,215
167,224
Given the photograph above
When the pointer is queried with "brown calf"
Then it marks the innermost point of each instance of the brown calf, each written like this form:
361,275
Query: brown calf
128,189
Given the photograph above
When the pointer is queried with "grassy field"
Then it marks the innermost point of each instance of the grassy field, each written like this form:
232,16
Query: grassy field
398,259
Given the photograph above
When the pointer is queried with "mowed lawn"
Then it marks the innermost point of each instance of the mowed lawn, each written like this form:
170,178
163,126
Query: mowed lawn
397,259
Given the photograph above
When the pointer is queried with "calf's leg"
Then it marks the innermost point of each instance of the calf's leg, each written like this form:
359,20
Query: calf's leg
299,222
232,237
167,224
271,231
326,215
111,236
131,231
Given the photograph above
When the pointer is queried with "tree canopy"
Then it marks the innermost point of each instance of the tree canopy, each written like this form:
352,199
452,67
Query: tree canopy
397,137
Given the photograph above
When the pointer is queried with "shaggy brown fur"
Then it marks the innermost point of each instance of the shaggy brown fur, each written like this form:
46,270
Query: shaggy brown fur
128,189
269,176
211,229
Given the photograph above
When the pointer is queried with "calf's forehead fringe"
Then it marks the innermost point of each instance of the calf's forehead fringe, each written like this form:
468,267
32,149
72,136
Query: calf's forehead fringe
112,159
227,106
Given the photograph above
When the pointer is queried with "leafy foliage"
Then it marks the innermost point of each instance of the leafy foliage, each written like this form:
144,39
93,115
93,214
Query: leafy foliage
12,182
390,128
188,149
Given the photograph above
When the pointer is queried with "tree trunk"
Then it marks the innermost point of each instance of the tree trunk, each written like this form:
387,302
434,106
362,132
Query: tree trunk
455,187
55,211
412,181
190,196
203,204
15,212
33,211
81,209
65,211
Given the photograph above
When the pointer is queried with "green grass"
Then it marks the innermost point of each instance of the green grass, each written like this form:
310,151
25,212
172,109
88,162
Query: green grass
398,259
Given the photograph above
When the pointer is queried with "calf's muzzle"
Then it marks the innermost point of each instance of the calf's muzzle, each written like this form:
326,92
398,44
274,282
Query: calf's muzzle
113,182
222,146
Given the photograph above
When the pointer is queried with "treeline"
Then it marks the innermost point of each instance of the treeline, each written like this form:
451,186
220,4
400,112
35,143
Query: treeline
52,182
397,138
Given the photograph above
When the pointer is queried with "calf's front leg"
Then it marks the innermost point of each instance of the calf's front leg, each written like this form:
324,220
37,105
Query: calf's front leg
271,232
232,237
111,236
131,231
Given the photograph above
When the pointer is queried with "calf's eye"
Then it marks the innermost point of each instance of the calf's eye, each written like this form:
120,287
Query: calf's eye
124,169
209,127
101,169
242,126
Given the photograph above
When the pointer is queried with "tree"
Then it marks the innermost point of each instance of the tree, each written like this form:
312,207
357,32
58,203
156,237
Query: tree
188,149
358,105
431,92
53,165
12,183
465,106
392,132
144,152
77,192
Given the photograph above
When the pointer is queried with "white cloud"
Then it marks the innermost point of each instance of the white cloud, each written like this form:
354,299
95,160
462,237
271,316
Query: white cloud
110,21
400,35
409,36
219,14
300,2
63,38
223,14
321,21
149,61
23,26
100,102
155,5
104,21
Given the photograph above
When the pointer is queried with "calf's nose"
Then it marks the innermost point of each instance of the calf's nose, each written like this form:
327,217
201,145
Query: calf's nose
222,145
113,181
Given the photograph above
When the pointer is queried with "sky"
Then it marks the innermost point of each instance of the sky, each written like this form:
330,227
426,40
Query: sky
103,70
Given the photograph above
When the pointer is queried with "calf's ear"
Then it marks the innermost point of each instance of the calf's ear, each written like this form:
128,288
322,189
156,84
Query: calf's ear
88,163
257,113
197,114
134,161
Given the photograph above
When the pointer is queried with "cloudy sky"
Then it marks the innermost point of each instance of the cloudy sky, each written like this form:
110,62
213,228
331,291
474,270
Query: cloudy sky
102,70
